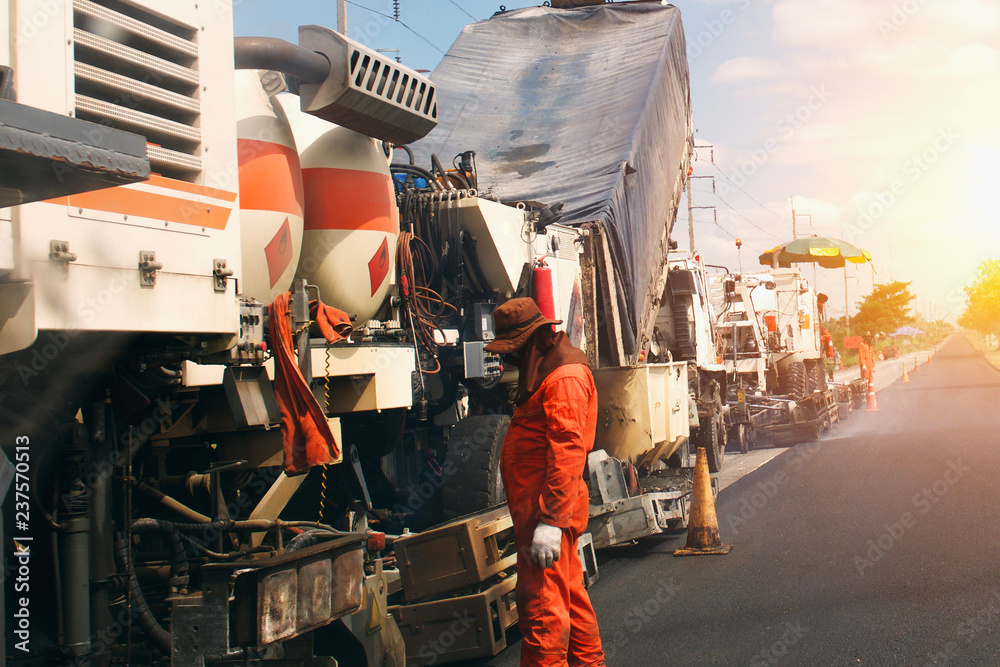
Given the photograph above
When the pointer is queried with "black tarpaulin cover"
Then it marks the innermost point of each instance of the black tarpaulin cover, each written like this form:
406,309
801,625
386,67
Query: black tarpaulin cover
587,106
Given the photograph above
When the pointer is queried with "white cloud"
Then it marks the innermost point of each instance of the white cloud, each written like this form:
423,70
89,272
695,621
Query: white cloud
825,24
892,95
746,68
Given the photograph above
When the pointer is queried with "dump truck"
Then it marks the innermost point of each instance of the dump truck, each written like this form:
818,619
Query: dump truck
686,330
217,249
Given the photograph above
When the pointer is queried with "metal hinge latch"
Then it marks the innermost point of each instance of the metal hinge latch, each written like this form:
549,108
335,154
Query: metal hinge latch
148,267
60,254
221,274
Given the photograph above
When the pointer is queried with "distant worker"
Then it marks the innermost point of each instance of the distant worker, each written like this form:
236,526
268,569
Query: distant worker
829,351
542,463
821,300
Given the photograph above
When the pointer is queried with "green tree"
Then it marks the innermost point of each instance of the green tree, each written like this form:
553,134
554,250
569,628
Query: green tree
982,308
884,310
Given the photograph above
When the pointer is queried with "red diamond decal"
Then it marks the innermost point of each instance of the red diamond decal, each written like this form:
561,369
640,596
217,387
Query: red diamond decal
279,252
378,266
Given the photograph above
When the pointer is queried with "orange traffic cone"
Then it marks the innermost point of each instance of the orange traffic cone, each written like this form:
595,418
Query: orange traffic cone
703,526
916,366
872,403
906,378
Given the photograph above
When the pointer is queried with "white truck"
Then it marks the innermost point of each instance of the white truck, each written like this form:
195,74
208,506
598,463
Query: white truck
776,365
153,518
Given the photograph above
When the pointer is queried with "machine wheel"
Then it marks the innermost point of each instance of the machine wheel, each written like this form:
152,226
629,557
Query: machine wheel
816,377
473,461
714,441
795,380
743,436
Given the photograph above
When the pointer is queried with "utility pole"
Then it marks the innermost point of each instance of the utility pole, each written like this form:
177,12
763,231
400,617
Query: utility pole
342,17
891,276
396,51
847,303
792,199
690,210
795,216
691,176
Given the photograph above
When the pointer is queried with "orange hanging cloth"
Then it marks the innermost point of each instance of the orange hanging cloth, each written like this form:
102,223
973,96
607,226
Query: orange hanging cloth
305,434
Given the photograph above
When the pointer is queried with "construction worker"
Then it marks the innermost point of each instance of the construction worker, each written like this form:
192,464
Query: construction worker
828,350
542,463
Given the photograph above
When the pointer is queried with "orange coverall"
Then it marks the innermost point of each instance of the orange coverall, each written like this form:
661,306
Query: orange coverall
542,464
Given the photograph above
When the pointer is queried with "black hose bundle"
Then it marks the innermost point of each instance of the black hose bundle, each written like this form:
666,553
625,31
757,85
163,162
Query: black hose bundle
414,170
309,538
156,632
178,556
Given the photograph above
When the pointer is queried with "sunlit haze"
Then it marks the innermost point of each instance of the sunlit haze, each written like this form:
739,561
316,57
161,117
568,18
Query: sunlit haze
876,119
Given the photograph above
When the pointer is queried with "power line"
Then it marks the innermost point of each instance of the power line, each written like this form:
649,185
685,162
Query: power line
730,206
390,16
734,237
463,9
745,192
830,280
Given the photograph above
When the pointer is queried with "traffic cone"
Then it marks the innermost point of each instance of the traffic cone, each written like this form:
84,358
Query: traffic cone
703,526
906,378
916,366
872,403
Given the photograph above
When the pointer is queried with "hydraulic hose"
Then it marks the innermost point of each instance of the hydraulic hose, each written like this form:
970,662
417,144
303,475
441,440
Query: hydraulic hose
461,179
408,151
172,503
281,56
308,538
178,557
417,171
156,632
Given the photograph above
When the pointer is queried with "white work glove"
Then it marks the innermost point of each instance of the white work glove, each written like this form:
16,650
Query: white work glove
546,545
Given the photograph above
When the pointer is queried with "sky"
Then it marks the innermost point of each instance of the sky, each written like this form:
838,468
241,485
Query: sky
877,120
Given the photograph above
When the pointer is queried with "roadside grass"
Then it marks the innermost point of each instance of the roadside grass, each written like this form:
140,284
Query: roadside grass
989,347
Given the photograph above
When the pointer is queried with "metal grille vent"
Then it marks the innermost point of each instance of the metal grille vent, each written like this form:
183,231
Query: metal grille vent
367,92
137,71
382,78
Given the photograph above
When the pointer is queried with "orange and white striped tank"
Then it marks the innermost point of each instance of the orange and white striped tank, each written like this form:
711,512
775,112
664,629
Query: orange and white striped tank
351,219
271,192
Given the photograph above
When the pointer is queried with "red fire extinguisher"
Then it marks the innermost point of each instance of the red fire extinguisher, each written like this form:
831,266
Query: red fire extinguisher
542,289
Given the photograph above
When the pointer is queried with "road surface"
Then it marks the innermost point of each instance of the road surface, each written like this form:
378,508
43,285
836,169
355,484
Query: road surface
876,545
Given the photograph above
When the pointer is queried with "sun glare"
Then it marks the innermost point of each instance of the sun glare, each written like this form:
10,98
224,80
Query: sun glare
984,190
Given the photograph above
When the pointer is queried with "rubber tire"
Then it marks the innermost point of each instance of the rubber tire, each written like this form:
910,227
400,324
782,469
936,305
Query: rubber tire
472,465
743,437
817,376
714,442
795,379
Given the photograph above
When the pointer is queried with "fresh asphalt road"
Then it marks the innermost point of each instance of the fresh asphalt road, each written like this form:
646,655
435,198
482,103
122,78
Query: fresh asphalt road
876,545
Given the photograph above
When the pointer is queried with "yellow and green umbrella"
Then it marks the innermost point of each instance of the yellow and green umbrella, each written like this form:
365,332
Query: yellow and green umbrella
828,253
